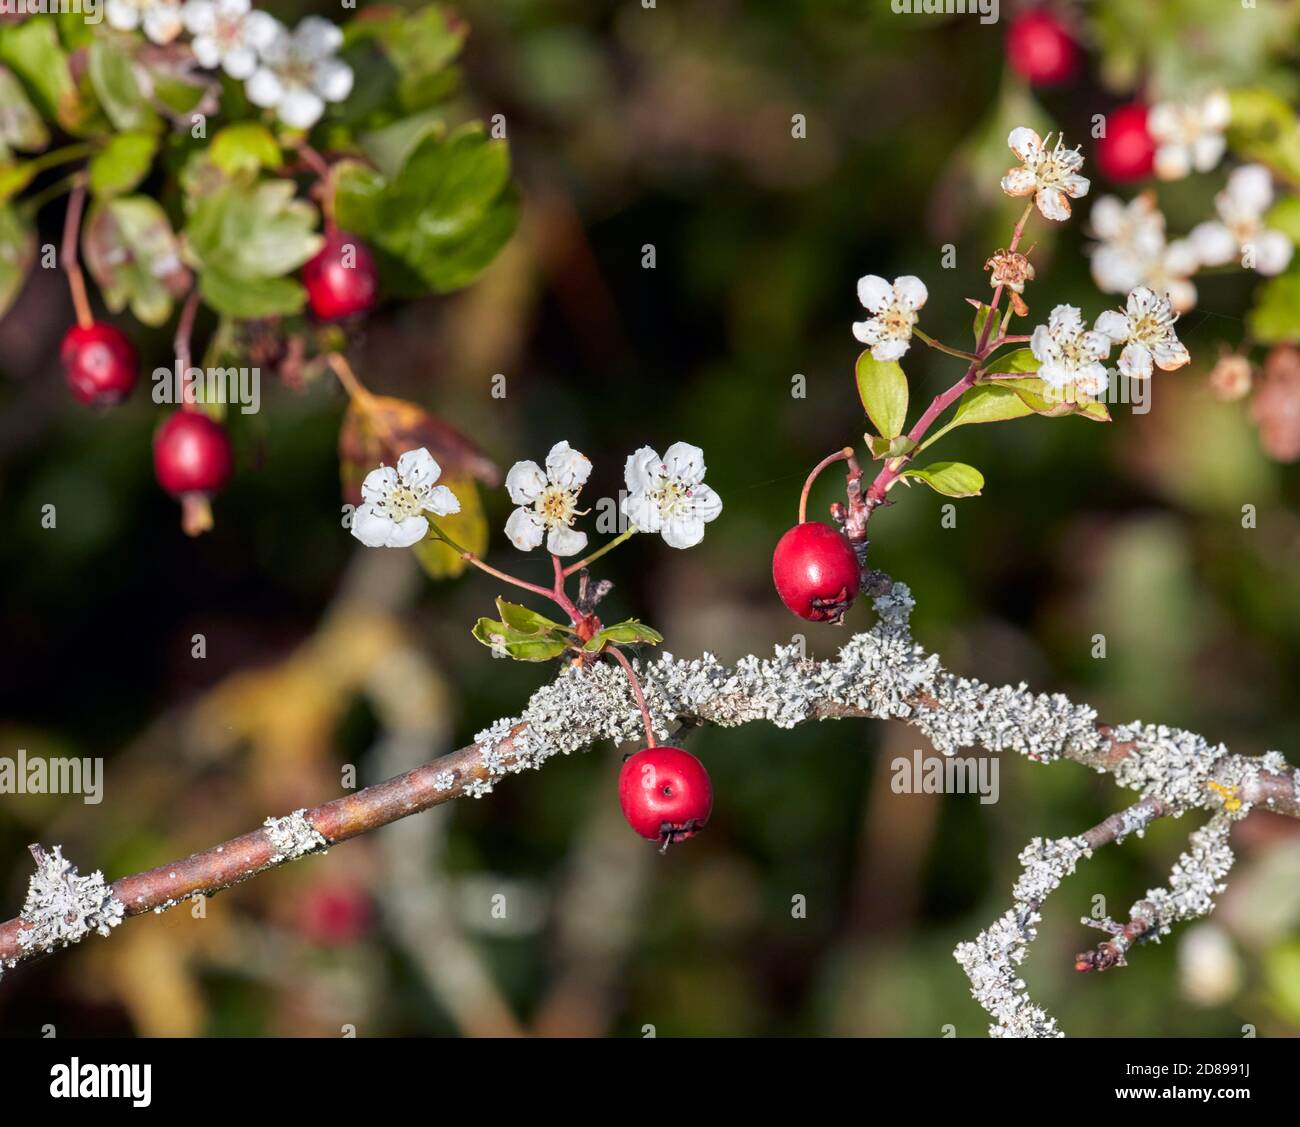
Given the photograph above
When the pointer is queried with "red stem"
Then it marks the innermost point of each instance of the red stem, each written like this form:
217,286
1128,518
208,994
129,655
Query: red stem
830,459
184,333
892,469
71,264
557,592
618,656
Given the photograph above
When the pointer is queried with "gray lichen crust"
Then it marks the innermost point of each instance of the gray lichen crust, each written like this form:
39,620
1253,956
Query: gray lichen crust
63,907
292,837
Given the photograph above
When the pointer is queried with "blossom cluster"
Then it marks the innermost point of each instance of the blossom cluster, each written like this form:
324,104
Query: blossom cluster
295,73
664,495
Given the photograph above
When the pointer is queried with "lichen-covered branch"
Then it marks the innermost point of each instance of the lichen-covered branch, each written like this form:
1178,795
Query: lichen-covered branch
882,673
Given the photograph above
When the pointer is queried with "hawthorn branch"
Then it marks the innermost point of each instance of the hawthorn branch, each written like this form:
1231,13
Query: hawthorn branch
881,674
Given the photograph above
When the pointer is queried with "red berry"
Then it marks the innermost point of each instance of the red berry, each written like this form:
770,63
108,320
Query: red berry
665,793
341,279
816,572
1127,151
1040,49
100,363
191,454
332,916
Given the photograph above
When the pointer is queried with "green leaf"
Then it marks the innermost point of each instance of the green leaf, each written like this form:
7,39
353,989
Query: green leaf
33,51
245,147
525,620
1049,401
113,78
895,447
1020,362
15,177
391,146
1263,128
883,388
987,403
952,479
626,633
982,315
251,233
250,298
442,219
504,639
17,253
417,47
134,257
1285,217
1276,316
21,125
122,163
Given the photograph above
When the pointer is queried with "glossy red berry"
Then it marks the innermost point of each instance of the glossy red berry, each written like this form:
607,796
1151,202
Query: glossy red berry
816,572
341,279
665,793
100,363
1040,49
1127,151
192,454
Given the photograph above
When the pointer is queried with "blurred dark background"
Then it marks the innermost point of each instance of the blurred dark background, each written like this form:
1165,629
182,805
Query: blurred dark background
668,127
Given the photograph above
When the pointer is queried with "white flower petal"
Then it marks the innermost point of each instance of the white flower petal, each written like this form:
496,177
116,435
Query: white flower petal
265,33
441,501
333,79
891,348
1053,204
642,472
379,483
300,107
683,531
642,510
1173,162
525,529
1208,150
911,292
705,503
1171,355
868,332
685,463
566,467
239,62
1024,142
1213,243
1135,361
1114,324
1019,182
199,16
1250,189
525,482
564,541
264,88
316,37
417,467
875,293
1273,251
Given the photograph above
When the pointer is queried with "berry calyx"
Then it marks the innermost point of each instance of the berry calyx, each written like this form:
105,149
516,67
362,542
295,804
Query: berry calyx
816,572
192,454
100,363
666,794
1127,151
1040,49
341,279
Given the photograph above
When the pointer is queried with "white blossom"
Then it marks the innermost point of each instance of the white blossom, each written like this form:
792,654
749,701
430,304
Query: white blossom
159,19
1133,251
1050,175
888,331
1070,354
1189,135
1146,329
548,501
394,501
668,495
1240,231
299,72
224,36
